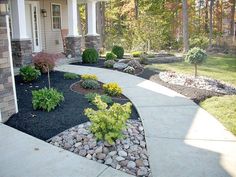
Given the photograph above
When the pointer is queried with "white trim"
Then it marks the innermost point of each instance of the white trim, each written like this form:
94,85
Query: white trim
11,64
52,17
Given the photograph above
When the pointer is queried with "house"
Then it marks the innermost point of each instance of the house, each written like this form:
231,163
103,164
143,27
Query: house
28,27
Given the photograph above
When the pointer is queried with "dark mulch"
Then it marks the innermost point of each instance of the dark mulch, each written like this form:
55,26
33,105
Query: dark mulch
195,94
45,125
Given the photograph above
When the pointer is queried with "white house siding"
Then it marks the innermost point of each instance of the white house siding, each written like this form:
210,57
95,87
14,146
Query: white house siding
51,39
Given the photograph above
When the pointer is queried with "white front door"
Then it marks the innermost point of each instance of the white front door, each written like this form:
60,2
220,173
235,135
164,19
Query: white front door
32,13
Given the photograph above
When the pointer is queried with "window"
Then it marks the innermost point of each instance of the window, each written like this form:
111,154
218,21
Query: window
56,16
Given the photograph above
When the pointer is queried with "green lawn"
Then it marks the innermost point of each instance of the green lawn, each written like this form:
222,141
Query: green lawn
217,67
223,108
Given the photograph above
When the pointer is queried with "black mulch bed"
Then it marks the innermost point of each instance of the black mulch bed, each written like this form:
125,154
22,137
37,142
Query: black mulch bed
45,125
195,94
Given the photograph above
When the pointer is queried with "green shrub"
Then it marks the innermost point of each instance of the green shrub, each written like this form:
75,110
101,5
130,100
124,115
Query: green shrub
105,98
137,53
111,56
144,59
29,73
46,99
200,41
71,76
90,56
89,77
109,63
196,56
118,51
90,84
108,123
112,89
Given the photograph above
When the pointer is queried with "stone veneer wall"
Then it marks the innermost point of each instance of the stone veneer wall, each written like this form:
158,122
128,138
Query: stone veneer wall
21,52
73,46
92,42
7,91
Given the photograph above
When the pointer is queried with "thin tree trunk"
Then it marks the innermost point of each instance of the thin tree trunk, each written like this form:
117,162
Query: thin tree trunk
195,68
211,23
80,26
136,8
232,14
206,17
185,26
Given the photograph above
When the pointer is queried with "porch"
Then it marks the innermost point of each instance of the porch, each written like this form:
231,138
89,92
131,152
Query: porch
50,26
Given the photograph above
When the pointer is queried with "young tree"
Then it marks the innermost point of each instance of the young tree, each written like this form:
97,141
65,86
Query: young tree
232,14
185,25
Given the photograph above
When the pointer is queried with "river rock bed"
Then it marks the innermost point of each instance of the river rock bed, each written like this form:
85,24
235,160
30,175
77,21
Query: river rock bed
128,155
199,82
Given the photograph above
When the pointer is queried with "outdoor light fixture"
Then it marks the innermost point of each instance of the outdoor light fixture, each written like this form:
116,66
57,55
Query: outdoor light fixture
44,12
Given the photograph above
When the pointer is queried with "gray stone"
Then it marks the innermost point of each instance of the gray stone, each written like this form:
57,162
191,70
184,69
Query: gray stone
82,152
101,156
119,158
112,153
89,156
120,66
78,144
139,163
98,150
131,165
135,64
122,153
142,171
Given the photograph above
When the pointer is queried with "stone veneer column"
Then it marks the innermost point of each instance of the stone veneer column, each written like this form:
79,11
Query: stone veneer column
92,39
73,40
8,101
21,52
21,43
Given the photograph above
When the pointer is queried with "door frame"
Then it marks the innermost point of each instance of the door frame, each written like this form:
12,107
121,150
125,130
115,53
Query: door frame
35,4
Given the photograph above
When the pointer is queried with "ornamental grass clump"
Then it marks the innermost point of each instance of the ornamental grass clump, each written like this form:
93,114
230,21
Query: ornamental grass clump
89,77
90,84
46,99
71,76
29,73
112,89
137,53
108,123
196,56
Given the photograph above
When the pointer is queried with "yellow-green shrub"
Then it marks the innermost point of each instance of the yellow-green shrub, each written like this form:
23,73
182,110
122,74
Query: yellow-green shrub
108,123
112,89
89,77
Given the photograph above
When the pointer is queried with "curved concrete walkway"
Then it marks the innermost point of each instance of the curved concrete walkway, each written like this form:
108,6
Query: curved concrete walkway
182,139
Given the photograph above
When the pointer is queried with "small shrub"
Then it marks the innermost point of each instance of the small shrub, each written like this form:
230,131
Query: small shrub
44,61
108,123
89,77
137,53
111,56
46,99
118,51
90,56
129,70
196,56
90,84
112,89
109,63
29,73
105,98
70,76
144,59
200,41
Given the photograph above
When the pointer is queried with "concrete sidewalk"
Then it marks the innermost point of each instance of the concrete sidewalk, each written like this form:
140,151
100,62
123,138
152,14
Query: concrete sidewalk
182,139
22,155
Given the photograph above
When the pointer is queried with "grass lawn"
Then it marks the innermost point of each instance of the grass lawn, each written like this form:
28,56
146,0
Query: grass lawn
217,67
224,108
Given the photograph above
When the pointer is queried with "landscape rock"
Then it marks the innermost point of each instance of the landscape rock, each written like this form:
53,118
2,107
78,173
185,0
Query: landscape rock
120,66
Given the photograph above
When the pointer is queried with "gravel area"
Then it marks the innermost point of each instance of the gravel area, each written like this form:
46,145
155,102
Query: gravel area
128,155
199,82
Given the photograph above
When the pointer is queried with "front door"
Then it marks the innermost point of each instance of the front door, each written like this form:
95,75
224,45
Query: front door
32,13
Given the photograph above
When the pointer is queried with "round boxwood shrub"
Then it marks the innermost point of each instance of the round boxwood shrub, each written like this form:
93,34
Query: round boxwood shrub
196,56
111,56
90,56
118,51
90,84
29,73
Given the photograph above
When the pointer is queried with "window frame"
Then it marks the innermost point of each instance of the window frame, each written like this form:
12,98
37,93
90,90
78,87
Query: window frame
56,29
